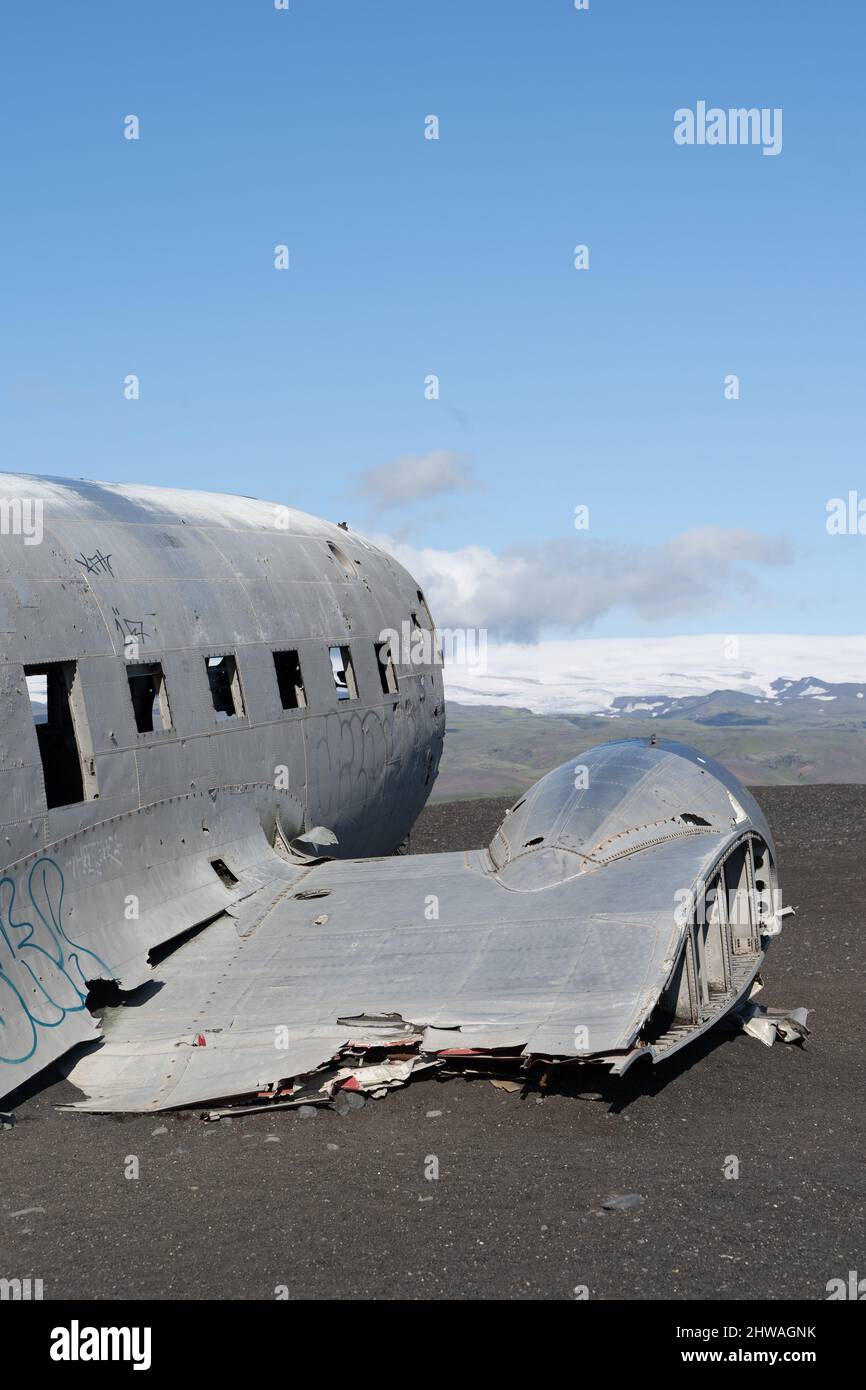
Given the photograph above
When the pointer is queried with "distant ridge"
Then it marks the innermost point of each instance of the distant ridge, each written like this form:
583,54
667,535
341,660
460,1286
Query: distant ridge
805,730
748,709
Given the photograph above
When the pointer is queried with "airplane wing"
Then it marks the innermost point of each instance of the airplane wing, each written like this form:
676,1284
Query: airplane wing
546,951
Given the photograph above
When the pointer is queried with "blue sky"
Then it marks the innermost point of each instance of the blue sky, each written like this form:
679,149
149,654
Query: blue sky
454,257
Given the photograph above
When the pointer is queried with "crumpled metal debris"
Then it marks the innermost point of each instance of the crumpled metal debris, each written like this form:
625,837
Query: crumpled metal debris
314,844
390,1074
768,1024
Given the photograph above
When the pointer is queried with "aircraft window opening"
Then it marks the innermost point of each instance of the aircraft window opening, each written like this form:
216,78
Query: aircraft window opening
344,673
225,686
149,698
536,840
287,665
58,715
387,674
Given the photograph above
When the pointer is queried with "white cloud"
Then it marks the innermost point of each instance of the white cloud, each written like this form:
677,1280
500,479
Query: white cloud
568,584
415,478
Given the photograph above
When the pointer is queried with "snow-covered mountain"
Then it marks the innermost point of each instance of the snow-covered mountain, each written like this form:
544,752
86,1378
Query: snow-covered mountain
652,675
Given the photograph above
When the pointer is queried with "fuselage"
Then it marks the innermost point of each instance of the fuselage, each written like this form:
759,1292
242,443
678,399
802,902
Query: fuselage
173,641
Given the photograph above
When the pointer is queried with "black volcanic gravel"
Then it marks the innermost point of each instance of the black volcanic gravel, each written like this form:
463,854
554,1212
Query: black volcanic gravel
332,1205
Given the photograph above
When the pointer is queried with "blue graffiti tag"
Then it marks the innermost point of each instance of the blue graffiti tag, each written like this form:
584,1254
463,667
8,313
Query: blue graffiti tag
52,971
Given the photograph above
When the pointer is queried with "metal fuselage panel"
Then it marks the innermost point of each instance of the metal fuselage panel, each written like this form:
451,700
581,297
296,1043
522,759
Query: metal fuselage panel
115,839
127,576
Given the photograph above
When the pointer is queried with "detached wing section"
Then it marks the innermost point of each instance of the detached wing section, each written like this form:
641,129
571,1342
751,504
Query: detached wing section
584,918
436,940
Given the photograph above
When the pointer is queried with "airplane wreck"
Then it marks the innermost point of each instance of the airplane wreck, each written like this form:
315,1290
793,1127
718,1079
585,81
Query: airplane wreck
209,757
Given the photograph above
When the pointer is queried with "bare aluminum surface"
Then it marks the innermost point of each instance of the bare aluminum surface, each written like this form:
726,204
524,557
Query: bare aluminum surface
125,573
524,953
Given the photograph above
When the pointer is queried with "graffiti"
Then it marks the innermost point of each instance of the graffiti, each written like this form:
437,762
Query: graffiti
95,564
131,629
43,975
93,858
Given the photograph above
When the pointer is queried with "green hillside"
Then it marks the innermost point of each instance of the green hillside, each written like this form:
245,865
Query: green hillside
494,751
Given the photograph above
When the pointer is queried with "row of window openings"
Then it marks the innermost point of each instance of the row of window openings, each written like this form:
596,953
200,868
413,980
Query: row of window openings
54,693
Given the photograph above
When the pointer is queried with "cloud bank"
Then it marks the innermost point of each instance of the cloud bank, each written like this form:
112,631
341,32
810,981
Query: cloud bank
568,584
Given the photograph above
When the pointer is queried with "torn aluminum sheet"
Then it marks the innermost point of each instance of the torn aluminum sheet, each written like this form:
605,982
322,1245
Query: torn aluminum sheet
768,1024
623,907
379,1074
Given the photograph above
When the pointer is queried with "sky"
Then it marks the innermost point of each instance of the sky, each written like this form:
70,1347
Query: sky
409,257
